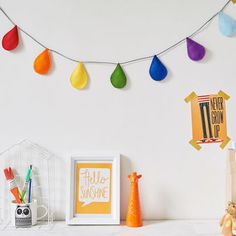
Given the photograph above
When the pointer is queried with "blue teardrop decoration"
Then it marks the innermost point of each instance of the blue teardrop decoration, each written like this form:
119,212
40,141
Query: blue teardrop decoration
227,25
157,70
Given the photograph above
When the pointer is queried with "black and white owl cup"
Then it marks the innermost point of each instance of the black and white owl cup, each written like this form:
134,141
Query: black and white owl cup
26,215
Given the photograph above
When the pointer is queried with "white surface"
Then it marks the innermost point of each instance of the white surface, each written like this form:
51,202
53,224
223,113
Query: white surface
157,228
148,122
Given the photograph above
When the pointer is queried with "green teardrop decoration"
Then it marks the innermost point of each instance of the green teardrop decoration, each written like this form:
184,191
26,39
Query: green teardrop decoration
118,78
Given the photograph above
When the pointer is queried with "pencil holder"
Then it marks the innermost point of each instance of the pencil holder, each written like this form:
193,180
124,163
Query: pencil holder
25,215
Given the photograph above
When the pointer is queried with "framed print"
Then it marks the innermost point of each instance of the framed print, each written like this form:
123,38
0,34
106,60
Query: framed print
93,195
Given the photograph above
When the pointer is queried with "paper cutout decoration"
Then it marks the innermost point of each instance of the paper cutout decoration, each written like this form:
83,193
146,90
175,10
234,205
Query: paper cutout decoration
234,1
42,63
227,25
208,119
196,51
79,77
118,78
157,70
11,39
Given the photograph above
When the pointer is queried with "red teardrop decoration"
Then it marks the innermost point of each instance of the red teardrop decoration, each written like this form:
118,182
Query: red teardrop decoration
10,39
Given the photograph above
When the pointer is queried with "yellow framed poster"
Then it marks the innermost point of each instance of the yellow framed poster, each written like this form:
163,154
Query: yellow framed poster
94,189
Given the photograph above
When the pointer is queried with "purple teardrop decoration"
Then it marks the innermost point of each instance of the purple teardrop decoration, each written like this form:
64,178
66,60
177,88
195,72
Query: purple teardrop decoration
196,51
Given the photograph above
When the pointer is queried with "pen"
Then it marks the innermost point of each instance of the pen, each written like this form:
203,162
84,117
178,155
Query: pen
27,179
29,190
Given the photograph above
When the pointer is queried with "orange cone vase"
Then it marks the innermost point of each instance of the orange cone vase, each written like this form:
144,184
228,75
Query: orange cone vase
134,215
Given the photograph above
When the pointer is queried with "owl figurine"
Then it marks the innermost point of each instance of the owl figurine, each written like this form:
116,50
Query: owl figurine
23,216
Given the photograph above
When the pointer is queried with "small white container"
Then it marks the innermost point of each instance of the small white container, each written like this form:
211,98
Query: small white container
25,215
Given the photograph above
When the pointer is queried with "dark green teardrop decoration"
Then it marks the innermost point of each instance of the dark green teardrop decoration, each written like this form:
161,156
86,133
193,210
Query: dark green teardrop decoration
118,78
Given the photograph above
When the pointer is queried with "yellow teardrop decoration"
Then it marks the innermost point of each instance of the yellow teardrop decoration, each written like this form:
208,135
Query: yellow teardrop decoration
79,77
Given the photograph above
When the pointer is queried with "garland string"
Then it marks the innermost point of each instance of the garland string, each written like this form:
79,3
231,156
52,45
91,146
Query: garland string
124,62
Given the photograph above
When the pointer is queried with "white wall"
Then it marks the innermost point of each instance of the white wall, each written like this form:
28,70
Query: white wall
148,122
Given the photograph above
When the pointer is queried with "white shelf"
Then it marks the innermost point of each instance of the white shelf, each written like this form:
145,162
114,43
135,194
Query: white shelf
150,228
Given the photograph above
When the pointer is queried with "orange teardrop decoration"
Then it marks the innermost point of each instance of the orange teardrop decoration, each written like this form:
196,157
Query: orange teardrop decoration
42,62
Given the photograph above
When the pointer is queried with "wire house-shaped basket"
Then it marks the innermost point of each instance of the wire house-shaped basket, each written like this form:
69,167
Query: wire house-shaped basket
19,157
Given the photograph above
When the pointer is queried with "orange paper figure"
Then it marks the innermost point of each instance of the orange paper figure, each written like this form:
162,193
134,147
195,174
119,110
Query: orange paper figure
134,215
42,62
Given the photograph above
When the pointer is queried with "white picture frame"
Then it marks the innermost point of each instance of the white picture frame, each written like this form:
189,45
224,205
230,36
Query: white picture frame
75,218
